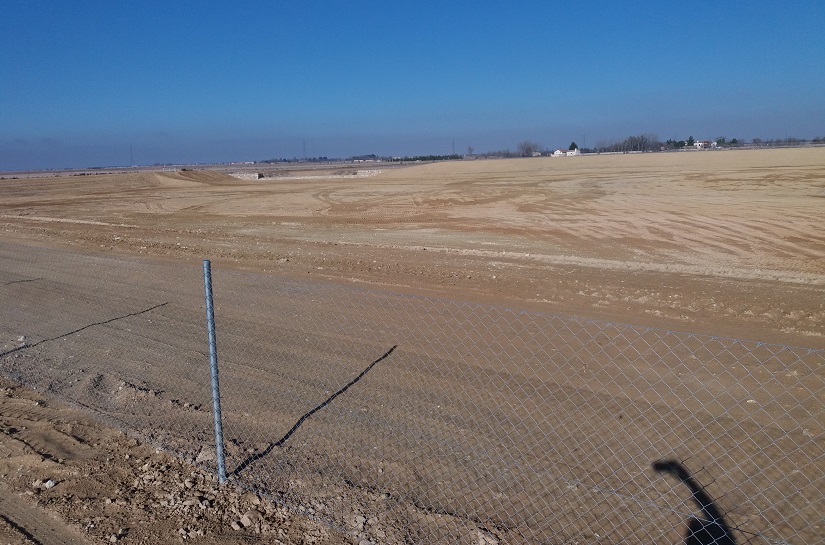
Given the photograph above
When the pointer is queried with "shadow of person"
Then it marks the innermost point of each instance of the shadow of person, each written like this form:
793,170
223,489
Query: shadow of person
711,528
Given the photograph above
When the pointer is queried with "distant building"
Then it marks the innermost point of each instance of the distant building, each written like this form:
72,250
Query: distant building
704,144
566,152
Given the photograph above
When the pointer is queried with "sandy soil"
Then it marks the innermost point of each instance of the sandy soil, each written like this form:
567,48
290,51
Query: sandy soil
725,243
720,243
66,478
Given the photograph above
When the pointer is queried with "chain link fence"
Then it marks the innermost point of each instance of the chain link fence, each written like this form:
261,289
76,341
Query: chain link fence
404,419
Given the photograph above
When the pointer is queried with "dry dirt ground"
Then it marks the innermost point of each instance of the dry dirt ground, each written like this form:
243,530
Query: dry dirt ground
728,243
65,479
724,243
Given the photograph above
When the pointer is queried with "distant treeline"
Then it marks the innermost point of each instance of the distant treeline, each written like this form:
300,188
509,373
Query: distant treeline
451,157
647,142
651,142
367,158
321,159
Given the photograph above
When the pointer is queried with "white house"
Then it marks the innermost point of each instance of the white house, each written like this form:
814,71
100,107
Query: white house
565,153
703,144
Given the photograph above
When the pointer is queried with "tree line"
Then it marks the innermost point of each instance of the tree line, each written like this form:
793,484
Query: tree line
646,142
650,142
450,157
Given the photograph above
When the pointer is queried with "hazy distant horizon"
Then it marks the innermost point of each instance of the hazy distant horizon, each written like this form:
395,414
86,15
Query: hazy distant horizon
85,84
130,157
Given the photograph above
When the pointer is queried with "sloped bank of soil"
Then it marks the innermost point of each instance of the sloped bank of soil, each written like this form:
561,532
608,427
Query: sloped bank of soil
65,478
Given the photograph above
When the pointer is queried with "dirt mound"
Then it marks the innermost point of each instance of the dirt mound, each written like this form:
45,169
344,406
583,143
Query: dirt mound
69,479
208,177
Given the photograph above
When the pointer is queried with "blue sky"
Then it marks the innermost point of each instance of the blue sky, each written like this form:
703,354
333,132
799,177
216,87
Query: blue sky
81,82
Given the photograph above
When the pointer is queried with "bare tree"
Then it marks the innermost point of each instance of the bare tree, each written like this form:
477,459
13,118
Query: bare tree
526,148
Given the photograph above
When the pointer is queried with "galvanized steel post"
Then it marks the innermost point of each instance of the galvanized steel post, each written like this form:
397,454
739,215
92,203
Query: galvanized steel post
213,367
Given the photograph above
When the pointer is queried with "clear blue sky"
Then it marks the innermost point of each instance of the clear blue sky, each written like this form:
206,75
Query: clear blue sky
198,81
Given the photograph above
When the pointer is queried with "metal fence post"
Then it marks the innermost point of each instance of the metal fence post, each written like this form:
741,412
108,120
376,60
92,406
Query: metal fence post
213,369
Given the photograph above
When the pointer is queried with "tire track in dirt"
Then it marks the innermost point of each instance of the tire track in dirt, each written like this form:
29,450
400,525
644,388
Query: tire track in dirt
39,430
29,434
32,524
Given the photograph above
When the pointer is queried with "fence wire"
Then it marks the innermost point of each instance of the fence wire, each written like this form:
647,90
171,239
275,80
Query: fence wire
405,419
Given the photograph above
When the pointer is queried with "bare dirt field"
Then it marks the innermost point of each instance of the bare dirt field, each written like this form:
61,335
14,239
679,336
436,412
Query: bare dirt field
727,243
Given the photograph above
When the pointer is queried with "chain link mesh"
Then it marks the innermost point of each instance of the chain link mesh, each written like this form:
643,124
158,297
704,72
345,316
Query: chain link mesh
406,419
